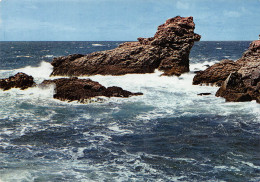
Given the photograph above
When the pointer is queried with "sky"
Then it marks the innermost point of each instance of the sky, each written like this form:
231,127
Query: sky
124,20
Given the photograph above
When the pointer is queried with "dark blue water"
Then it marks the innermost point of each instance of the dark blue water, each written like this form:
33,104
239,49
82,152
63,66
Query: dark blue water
168,134
21,54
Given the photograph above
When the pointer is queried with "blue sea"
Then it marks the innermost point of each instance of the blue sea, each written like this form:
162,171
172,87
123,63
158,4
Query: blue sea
168,134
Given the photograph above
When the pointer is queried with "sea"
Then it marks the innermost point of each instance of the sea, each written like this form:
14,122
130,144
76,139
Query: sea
168,134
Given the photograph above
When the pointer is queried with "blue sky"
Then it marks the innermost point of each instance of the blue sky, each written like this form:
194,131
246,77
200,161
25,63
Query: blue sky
97,20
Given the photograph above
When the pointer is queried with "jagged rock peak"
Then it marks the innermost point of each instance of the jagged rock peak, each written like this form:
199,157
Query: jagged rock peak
167,51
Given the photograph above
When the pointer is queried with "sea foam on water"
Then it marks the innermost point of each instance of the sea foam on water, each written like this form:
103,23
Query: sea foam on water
168,134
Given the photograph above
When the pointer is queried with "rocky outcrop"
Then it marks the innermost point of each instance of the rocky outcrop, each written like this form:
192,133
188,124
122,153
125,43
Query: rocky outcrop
82,90
241,78
216,74
20,80
233,89
167,51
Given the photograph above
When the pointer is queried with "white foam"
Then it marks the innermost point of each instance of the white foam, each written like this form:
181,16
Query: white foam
167,96
116,128
227,168
17,175
49,56
202,65
97,45
23,56
160,92
39,73
250,165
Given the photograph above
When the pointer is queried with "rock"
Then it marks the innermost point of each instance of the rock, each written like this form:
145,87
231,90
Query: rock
167,51
242,78
201,94
233,89
82,90
244,85
20,80
216,74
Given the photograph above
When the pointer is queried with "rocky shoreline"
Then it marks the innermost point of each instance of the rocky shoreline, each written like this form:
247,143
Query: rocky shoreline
67,89
167,51
238,80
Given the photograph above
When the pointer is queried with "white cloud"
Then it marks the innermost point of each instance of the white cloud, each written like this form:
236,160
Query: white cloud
182,5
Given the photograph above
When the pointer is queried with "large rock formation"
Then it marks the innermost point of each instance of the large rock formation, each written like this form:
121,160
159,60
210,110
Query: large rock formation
20,80
82,90
168,51
240,80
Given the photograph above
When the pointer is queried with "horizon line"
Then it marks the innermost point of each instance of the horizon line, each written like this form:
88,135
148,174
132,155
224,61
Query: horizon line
110,40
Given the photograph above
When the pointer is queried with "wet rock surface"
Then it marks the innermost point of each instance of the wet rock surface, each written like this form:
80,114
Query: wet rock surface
167,51
82,90
240,80
20,80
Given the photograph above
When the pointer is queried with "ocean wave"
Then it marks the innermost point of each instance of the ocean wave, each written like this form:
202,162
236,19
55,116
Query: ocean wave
39,73
162,94
48,56
201,65
23,56
95,45
117,129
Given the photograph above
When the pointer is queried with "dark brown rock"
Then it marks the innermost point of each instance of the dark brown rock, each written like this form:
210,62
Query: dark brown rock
242,82
233,89
216,74
82,90
20,80
168,51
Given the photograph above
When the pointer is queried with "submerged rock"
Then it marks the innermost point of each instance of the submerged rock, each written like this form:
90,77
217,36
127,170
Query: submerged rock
82,90
240,80
168,51
20,80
